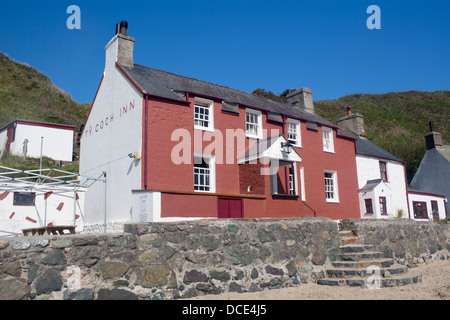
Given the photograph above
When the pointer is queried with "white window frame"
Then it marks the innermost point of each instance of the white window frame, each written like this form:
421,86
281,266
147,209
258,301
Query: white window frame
202,103
302,183
327,139
293,128
335,187
211,161
258,125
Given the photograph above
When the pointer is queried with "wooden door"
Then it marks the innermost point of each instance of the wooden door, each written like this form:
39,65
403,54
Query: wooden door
229,208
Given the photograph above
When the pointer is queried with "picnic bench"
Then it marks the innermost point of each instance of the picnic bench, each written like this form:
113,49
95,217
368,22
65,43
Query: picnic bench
48,230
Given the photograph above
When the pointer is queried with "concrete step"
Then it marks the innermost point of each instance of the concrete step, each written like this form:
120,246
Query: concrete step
353,248
363,272
346,233
383,262
356,256
348,240
398,280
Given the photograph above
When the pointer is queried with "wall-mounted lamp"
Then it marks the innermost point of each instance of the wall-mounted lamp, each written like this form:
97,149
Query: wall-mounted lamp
286,147
136,155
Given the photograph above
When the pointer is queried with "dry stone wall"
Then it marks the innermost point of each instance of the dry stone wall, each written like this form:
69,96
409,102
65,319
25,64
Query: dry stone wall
187,259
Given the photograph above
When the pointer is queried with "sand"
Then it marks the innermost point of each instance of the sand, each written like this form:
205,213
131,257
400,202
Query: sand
435,285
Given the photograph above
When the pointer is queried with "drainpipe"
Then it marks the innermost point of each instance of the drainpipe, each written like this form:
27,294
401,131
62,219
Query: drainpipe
314,211
145,141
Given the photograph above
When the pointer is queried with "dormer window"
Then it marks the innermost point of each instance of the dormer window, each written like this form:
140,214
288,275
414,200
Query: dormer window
253,124
203,114
327,139
293,129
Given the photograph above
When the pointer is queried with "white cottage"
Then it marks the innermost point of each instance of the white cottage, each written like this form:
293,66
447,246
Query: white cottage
27,138
382,178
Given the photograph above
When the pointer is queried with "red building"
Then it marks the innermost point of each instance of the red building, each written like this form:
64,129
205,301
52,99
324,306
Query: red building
198,149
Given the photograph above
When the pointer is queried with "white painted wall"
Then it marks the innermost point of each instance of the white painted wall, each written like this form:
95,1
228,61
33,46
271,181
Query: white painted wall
111,133
14,218
57,144
427,198
368,169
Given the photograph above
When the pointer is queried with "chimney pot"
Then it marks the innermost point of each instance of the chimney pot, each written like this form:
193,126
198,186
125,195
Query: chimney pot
433,139
349,110
123,27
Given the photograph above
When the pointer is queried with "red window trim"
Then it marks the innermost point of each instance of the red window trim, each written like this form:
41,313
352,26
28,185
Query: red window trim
371,205
385,205
424,205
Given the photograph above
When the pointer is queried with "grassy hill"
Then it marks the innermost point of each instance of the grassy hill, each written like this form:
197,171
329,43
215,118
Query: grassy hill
27,94
396,121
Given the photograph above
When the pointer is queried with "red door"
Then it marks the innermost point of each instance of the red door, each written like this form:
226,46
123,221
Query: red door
229,208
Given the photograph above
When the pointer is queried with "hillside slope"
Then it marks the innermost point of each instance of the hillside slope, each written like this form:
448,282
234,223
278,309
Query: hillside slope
396,121
27,94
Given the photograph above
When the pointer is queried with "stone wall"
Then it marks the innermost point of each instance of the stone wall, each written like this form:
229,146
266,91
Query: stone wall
168,260
186,259
409,242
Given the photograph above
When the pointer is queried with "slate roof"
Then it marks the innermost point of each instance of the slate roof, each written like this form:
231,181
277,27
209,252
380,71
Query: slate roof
368,148
169,85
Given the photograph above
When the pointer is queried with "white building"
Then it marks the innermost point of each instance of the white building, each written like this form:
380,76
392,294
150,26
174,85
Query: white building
425,206
23,206
381,176
25,138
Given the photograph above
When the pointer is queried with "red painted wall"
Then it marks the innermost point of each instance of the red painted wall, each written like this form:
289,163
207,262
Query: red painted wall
161,174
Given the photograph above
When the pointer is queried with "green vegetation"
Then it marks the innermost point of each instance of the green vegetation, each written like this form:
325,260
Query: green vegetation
397,121
27,94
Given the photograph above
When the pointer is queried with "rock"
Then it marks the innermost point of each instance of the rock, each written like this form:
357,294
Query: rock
254,274
112,269
62,243
265,235
232,228
210,243
56,257
48,281
12,268
274,271
14,289
85,294
234,287
32,272
156,276
220,275
20,245
116,294
194,276
3,244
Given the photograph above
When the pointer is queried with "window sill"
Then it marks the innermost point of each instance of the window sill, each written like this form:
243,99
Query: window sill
333,201
253,137
203,128
284,196
329,151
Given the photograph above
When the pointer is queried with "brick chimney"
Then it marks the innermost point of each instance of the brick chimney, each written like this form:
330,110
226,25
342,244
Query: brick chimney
433,139
353,122
120,48
301,98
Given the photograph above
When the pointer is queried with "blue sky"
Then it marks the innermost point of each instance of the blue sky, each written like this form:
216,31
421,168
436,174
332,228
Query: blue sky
324,45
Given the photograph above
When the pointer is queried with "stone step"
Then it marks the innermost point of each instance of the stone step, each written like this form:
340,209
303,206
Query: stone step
363,272
352,248
356,256
398,280
346,233
383,262
348,240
